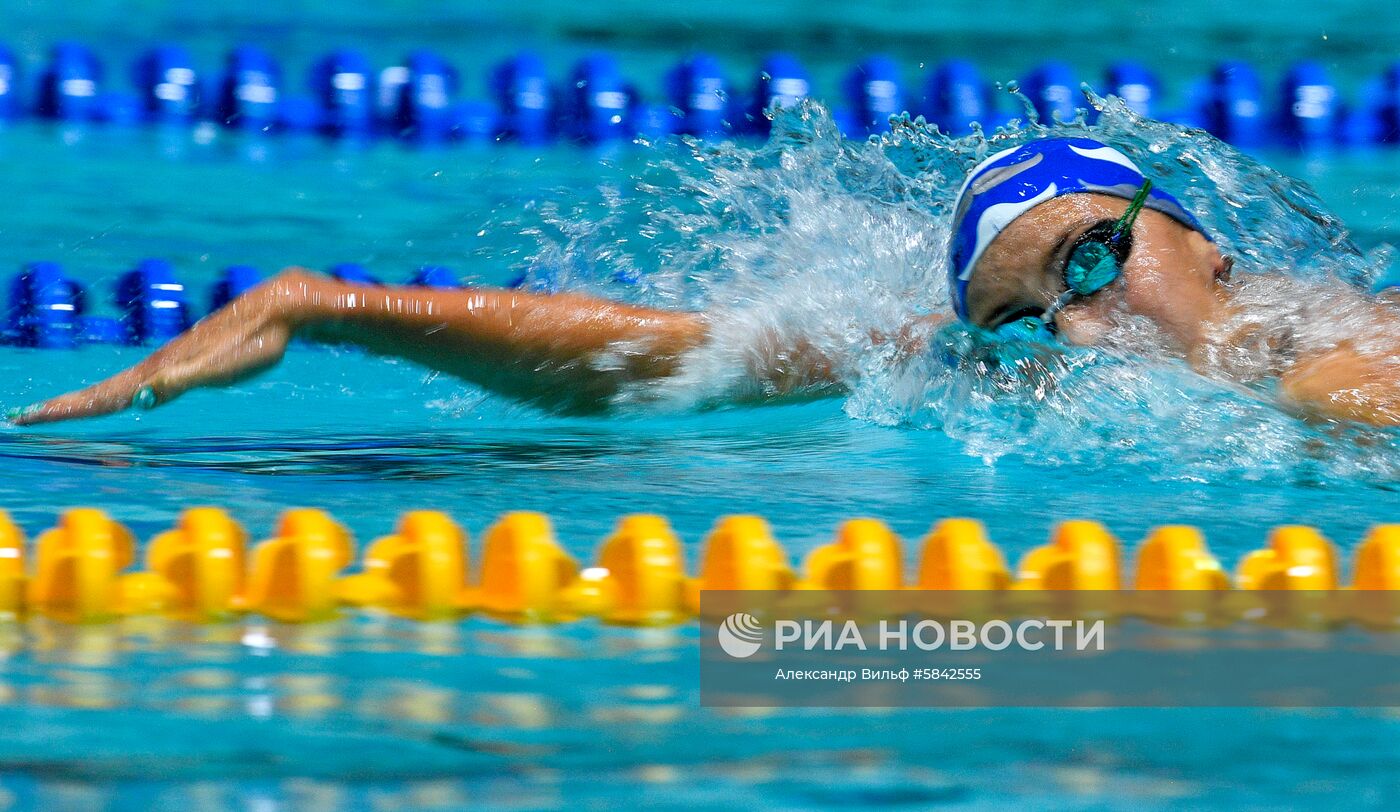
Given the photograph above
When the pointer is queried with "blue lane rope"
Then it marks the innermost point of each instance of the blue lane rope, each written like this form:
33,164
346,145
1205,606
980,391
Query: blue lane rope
48,310
418,100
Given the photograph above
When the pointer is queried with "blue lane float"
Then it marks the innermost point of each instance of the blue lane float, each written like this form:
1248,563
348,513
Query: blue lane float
782,81
354,273
342,83
697,88
1053,90
599,103
422,102
957,97
168,85
43,308
1361,121
1135,85
874,92
250,90
434,276
1233,110
1308,107
233,281
151,302
1386,92
69,84
526,98
46,309
11,106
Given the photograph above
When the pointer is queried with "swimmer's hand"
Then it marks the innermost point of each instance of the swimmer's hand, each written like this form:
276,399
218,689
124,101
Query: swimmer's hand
234,343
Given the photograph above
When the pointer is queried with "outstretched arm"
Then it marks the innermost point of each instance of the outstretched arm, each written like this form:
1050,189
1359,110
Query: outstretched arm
563,351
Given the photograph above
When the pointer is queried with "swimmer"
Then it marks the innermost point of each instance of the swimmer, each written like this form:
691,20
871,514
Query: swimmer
1052,242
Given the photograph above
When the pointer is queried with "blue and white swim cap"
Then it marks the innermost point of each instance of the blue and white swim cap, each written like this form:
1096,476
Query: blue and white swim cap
1014,181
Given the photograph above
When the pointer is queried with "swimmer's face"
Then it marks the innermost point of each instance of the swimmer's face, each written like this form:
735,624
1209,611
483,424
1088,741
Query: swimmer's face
1170,277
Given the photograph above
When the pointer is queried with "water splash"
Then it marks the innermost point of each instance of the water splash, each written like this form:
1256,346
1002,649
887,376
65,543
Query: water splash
817,241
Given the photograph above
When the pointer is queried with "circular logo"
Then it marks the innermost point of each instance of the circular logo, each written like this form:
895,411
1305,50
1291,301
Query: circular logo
740,635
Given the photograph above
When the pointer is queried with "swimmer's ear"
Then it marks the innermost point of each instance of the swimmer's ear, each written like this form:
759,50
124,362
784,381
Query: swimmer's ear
1224,270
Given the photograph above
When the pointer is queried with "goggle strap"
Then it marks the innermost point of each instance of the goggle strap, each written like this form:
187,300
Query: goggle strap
1125,223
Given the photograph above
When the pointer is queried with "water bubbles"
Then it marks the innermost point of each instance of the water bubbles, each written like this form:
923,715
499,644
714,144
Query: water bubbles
814,246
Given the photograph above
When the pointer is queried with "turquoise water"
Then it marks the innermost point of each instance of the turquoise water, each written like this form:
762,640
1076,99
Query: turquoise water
370,714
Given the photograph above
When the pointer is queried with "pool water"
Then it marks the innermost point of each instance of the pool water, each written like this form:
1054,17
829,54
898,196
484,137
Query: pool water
370,713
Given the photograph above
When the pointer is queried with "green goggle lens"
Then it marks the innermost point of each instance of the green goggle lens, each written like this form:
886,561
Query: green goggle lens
1091,268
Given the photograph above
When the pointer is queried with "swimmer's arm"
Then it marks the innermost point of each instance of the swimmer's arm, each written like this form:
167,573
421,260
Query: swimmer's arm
1347,384
562,351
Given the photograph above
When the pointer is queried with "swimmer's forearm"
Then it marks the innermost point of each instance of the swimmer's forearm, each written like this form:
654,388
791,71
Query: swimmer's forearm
558,327
562,350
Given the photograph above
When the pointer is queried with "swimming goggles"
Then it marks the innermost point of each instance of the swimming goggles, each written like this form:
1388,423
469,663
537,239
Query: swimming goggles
1094,262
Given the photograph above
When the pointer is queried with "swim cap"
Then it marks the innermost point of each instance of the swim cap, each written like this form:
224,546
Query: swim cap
1016,180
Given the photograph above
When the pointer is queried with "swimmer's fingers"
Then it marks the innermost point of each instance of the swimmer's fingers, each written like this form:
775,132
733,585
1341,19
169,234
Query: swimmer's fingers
106,397
113,395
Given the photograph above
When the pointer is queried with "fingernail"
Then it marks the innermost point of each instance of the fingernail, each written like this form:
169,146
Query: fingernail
145,398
